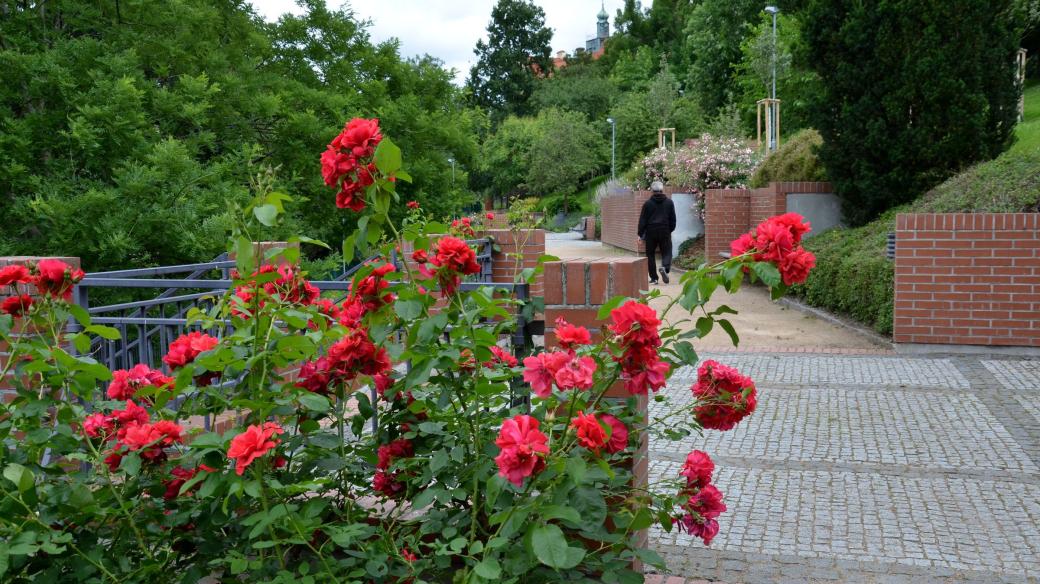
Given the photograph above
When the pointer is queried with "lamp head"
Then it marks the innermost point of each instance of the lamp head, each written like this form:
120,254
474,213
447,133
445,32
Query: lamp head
772,9
610,121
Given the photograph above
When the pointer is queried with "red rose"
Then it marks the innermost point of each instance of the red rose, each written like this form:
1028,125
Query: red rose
501,356
523,447
151,439
794,223
255,442
576,373
413,204
773,241
97,425
131,414
187,347
697,469
641,376
55,278
369,289
420,256
540,371
636,323
17,305
15,274
315,376
388,453
724,396
356,353
388,484
590,433
454,258
741,245
570,336
490,216
618,433
126,383
795,266
181,475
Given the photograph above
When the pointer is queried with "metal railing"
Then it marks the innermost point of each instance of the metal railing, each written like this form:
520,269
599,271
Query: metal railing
148,327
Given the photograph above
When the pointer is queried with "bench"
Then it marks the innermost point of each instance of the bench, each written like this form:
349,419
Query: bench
580,227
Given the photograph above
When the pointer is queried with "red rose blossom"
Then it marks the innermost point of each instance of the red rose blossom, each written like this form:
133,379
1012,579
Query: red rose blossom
413,204
540,371
570,336
255,442
55,278
576,373
795,267
17,306
187,347
741,245
182,475
523,447
618,433
127,382
14,274
697,469
454,258
636,323
724,396
501,356
151,439
589,431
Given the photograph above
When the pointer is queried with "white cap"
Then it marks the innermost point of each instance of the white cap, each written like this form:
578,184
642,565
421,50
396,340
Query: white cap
657,186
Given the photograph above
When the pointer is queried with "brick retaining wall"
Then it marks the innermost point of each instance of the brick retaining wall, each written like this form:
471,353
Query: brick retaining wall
968,279
619,221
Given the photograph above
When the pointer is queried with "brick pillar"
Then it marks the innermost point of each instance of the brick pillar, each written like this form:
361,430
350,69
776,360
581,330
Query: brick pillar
530,243
6,387
590,228
575,290
727,214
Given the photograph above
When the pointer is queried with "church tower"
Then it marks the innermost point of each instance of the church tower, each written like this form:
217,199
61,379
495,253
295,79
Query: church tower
595,45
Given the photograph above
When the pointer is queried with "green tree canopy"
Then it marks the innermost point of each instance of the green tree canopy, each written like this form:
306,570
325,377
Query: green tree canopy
902,106
516,52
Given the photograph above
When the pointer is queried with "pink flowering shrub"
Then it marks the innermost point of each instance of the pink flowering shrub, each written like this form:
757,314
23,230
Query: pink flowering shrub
388,436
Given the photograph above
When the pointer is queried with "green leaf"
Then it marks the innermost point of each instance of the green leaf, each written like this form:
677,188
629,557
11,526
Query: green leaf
766,272
305,239
314,402
105,332
348,247
550,512
325,440
387,157
408,309
704,325
686,352
81,342
19,475
576,469
604,311
131,464
489,569
266,214
438,461
728,327
244,255
550,547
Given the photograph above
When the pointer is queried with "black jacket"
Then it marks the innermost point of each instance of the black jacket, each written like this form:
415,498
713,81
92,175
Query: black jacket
658,212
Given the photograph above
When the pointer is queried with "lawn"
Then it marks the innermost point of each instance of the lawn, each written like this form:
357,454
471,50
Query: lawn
1028,131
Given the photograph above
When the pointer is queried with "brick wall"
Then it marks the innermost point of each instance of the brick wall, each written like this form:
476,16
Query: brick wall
575,290
5,385
726,216
529,243
730,212
590,228
968,279
619,220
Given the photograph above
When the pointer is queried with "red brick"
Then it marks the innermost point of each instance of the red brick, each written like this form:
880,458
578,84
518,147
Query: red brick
599,274
576,284
553,283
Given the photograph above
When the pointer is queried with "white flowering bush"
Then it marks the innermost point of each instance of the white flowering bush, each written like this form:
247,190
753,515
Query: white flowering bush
708,162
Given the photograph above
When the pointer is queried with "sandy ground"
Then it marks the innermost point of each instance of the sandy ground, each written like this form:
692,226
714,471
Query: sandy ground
761,323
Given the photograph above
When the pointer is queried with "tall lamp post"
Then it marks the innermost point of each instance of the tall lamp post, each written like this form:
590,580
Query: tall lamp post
772,127
452,161
613,134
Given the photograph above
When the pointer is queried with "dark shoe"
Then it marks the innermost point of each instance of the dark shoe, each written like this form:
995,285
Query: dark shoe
653,282
664,276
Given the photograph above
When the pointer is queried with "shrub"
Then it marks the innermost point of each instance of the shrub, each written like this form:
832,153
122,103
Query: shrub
708,162
794,160
464,476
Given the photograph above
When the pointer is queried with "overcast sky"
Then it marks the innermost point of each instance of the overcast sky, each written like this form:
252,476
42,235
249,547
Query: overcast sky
449,29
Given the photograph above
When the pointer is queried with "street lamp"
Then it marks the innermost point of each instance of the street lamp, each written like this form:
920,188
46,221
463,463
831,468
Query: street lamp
772,130
613,134
452,161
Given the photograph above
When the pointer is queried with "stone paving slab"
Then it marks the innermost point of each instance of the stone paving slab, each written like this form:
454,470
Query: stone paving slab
835,370
868,469
882,427
1024,375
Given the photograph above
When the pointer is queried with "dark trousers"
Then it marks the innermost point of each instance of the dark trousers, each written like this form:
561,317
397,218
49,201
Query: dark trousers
658,239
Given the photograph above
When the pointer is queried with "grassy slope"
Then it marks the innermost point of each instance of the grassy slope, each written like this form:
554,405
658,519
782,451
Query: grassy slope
852,275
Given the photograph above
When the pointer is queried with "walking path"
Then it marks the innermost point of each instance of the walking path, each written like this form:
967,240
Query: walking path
860,467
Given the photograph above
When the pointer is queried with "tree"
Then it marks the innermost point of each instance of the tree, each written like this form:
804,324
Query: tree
566,149
517,51
579,88
505,156
636,127
902,106
714,32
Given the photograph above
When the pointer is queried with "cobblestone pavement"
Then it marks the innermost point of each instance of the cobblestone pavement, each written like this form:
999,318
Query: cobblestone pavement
868,469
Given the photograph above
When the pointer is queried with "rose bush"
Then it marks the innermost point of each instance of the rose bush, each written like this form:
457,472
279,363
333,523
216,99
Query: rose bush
467,474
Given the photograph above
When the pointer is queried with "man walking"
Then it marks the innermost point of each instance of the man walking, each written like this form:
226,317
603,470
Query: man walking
656,224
